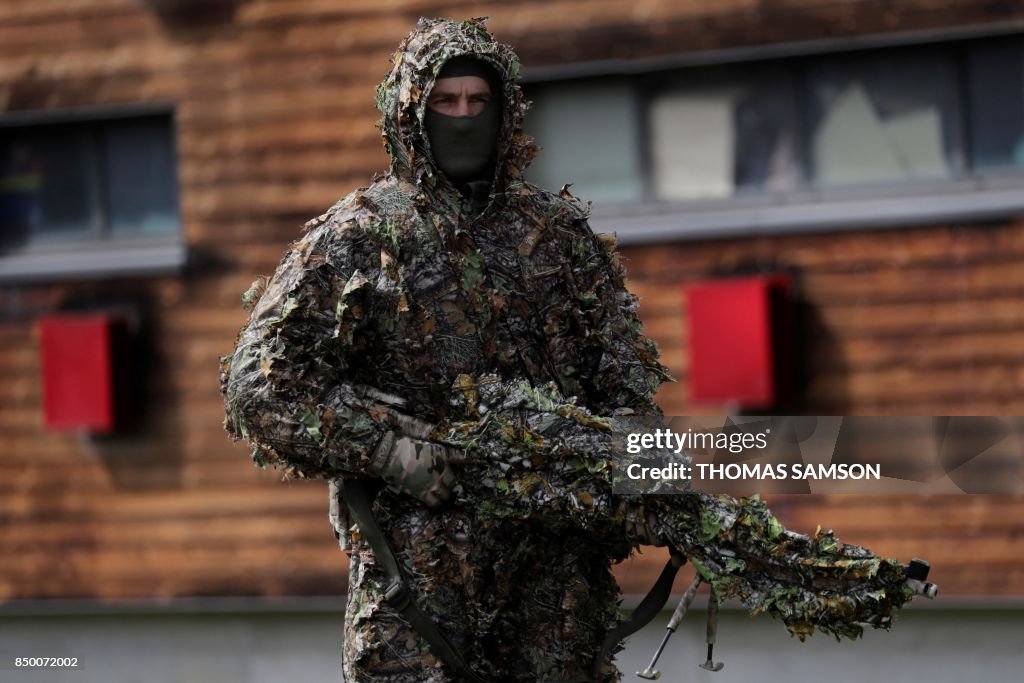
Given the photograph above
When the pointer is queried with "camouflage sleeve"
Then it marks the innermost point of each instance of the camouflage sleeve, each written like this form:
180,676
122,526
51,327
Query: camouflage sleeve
534,455
287,387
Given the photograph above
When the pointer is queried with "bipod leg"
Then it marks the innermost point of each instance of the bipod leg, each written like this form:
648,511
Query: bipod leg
650,673
712,632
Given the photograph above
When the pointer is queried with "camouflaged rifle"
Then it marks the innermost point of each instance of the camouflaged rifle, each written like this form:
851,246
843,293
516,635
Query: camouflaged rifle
532,454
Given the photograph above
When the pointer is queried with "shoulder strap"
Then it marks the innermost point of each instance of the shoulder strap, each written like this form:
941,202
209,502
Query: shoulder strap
648,608
359,494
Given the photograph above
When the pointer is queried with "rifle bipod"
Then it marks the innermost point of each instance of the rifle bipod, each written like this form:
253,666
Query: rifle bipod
652,674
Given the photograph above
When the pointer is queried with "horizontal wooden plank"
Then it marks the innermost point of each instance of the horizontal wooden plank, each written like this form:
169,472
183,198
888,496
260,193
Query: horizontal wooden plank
58,473
919,352
921,284
161,504
285,527
35,11
273,582
924,318
172,87
302,198
84,32
194,442
283,165
302,134
184,438
98,565
528,14
905,383
851,252
141,30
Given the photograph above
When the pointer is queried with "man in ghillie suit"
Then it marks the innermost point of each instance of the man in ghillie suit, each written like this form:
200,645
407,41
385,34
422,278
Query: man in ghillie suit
463,336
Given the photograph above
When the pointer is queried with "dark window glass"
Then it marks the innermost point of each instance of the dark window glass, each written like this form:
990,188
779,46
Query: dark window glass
87,180
141,186
995,88
45,183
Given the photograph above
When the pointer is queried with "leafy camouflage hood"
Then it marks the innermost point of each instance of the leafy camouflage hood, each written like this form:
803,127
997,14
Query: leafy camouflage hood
402,99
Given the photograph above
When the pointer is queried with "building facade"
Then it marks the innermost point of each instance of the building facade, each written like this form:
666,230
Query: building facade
158,155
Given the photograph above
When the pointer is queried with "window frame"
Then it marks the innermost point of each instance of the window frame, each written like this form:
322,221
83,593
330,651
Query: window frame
983,196
98,252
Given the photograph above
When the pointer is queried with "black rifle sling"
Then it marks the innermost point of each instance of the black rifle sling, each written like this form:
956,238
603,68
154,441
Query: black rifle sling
360,494
648,608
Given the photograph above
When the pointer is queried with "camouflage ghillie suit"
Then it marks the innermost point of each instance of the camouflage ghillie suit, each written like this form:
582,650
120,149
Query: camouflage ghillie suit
503,333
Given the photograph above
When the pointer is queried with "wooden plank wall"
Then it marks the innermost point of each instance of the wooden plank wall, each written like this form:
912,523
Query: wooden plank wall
275,121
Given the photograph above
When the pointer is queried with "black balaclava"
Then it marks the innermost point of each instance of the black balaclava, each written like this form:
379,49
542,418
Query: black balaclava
464,147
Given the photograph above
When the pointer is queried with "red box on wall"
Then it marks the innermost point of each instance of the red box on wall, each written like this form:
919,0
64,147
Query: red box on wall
739,329
79,366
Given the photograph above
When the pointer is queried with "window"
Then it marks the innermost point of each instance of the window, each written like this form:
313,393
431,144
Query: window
875,137
568,121
995,92
882,117
88,196
723,132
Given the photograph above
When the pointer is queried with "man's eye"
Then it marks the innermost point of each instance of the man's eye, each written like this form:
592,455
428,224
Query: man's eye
481,98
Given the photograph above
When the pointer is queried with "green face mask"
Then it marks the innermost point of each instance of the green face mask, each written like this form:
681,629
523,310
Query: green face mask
464,147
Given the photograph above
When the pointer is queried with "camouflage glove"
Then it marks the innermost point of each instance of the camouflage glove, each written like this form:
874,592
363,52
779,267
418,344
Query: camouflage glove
639,528
415,466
